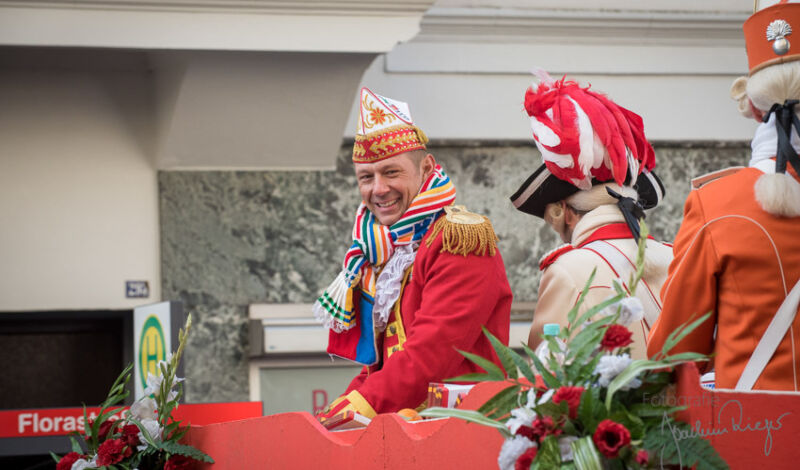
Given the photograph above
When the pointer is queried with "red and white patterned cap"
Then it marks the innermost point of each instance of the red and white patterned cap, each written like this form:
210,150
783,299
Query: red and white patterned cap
385,129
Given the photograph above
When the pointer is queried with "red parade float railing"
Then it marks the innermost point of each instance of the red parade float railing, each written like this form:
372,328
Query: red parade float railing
748,429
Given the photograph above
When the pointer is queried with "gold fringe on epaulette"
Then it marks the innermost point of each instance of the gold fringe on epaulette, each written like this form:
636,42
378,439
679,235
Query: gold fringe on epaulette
464,239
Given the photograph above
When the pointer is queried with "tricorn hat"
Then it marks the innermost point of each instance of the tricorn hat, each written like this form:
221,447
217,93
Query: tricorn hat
585,139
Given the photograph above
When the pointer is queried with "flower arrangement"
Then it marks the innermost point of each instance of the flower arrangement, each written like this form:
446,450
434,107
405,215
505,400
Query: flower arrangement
587,409
147,437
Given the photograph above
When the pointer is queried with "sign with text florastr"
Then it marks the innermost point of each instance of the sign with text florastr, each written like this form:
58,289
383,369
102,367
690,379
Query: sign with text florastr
152,340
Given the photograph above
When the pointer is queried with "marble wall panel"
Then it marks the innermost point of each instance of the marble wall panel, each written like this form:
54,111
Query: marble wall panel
229,239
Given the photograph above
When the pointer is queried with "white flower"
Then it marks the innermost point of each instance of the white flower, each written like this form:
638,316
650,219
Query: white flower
630,310
565,447
546,397
520,417
532,396
153,430
610,366
511,451
82,464
165,362
153,384
532,401
144,409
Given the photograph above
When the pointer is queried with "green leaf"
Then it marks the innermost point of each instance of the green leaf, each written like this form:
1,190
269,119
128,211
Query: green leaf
55,457
168,429
180,433
585,455
591,410
91,440
549,379
676,336
490,367
633,423
634,368
635,277
472,377
668,444
523,366
147,437
589,313
502,352
188,451
647,410
574,311
686,357
76,447
467,415
586,341
502,403
105,414
549,455
118,387
555,410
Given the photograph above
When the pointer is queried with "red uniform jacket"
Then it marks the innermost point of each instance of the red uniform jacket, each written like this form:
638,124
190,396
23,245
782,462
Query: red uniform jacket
737,261
445,302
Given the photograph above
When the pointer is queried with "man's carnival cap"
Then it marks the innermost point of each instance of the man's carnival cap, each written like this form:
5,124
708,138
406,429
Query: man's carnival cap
385,129
768,34
585,139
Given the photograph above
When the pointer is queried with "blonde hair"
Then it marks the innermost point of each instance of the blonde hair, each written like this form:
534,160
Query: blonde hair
591,199
773,84
585,201
776,193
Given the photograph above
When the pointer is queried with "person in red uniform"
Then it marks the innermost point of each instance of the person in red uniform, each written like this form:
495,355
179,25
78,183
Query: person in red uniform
737,253
422,276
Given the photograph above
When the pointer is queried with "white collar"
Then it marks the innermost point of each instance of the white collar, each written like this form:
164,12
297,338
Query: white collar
594,219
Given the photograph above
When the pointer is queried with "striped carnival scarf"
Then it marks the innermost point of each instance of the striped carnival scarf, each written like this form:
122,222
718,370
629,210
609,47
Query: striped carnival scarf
374,245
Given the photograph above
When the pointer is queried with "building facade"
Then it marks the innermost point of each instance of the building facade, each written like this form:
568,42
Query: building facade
204,147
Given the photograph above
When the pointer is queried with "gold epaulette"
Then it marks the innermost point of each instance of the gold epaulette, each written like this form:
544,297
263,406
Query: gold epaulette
464,233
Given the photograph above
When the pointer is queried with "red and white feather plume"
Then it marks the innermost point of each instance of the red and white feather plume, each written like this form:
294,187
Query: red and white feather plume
583,134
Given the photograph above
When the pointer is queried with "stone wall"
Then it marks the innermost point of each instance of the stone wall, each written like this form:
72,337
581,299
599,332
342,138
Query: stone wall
230,239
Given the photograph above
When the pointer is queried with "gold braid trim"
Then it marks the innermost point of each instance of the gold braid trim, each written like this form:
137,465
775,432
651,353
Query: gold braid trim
464,233
386,130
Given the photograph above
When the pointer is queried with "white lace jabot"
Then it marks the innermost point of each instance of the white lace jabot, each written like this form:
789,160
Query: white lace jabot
389,284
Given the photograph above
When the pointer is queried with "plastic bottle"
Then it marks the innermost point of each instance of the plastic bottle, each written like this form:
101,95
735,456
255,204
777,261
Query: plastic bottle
543,350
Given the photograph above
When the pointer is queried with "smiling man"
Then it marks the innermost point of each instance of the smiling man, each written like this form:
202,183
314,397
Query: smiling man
420,279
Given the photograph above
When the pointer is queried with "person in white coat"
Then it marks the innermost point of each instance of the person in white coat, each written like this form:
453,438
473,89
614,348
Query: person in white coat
593,188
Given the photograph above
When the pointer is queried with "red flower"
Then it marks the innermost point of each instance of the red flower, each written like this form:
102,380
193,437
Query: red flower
179,462
610,437
543,427
539,429
571,395
642,457
130,435
103,430
66,461
112,451
524,461
527,431
617,336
